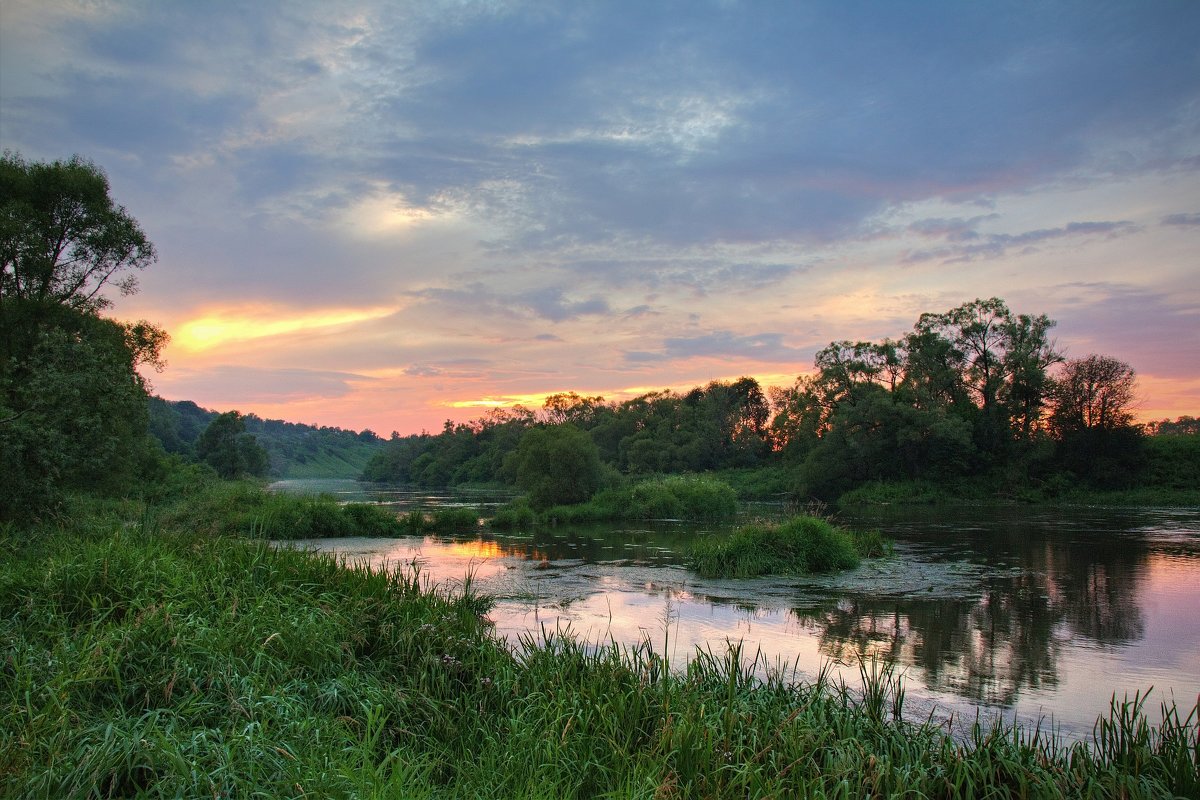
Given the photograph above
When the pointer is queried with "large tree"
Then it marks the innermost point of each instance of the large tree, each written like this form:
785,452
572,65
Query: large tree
1095,392
227,448
72,403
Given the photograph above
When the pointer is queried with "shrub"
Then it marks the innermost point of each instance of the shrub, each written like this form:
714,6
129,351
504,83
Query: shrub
701,497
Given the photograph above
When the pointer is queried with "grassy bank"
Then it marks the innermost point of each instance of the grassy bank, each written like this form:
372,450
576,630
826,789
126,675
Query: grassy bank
686,497
242,508
144,659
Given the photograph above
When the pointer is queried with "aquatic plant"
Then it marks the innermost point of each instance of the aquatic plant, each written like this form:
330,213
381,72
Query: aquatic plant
513,516
800,545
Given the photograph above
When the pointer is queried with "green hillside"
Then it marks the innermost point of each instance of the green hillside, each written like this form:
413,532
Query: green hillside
296,450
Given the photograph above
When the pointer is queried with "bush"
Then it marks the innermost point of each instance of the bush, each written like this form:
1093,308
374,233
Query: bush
557,465
674,497
702,497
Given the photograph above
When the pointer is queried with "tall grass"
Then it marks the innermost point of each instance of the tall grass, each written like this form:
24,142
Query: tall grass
801,545
242,508
688,497
143,660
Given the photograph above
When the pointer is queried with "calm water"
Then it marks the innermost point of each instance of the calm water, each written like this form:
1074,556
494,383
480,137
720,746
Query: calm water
1030,613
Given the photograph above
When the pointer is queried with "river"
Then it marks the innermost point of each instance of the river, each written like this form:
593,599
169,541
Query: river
1028,613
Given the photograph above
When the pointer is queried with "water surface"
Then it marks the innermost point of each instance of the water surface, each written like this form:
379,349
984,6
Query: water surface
1032,613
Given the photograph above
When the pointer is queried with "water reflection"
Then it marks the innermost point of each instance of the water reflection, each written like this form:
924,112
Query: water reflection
1036,612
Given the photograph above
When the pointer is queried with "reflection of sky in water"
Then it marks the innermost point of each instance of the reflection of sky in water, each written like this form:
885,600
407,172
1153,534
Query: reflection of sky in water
1045,614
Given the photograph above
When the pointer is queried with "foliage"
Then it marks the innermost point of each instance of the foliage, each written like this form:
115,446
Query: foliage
145,660
801,545
1180,426
62,238
72,404
294,450
557,465
1173,461
879,438
691,497
242,508
515,515
1093,393
453,519
229,450
772,482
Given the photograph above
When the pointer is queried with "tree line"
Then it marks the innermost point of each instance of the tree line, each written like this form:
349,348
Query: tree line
976,390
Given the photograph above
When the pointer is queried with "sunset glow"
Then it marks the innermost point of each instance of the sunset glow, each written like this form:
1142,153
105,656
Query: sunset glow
399,214
218,328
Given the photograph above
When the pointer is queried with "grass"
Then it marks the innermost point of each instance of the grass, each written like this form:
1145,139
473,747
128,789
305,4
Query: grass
145,659
984,491
801,545
242,508
686,497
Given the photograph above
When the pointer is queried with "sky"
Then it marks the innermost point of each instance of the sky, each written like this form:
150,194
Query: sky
384,215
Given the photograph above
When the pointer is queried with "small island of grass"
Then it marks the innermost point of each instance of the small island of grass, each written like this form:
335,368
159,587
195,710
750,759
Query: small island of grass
801,545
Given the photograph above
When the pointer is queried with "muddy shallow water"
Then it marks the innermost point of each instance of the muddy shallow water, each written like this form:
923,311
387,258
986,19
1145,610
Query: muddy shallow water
1038,614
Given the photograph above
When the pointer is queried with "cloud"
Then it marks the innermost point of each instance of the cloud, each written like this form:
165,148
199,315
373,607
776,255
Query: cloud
1182,220
1156,332
619,175
723,344
549,303
230,386
969,245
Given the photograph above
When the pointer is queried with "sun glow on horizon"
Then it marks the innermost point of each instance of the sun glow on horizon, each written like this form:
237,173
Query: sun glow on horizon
534,401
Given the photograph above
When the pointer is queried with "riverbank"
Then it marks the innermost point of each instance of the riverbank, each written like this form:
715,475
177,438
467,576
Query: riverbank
146,656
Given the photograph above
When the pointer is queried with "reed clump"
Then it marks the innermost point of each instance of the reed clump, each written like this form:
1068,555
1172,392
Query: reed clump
143,659
801,545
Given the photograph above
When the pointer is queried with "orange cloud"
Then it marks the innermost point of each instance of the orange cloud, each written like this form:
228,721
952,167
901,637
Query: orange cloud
240,324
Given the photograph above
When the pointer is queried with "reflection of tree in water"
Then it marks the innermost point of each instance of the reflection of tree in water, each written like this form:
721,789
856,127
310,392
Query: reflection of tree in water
991,647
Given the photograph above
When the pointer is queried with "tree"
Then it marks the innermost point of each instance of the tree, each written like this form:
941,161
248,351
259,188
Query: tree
1094,421
557,465
72,403
62,238
999,359
573,408
1094,392
227,448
